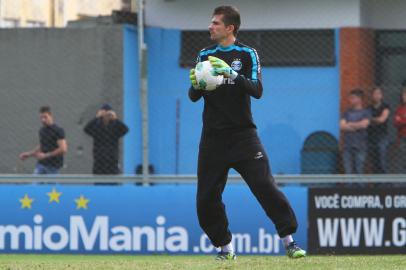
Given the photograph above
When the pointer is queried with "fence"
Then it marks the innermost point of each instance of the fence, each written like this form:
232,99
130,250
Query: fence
308,73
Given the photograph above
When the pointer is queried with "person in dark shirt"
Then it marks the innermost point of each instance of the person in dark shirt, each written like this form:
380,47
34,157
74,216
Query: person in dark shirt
378,131
229,138
52,145
106,130
354,123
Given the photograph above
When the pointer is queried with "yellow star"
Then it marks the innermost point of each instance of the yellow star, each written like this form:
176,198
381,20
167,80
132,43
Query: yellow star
26,202
54,195
81,202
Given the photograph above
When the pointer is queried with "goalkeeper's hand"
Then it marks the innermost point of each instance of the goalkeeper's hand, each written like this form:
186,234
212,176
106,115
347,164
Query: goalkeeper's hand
222,68
192,77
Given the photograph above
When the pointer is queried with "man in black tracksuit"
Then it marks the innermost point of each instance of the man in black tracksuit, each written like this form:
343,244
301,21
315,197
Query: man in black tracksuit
106,130
229,138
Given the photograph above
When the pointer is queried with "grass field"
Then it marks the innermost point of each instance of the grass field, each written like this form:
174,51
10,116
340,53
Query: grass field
37,262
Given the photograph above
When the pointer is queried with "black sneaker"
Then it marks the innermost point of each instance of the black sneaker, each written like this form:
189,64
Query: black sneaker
294,251
226,256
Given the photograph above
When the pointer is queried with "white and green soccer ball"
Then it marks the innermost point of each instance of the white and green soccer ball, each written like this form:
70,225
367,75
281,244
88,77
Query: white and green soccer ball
206,77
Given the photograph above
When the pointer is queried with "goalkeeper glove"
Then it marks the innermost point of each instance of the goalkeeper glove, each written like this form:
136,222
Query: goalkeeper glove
192,77
222,68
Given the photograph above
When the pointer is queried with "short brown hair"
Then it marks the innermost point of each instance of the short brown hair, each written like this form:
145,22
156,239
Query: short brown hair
231,16
357,92
45,109
376,88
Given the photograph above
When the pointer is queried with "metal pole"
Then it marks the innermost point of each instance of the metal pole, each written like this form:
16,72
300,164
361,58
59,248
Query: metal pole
142,59
52,11
177,136
1,18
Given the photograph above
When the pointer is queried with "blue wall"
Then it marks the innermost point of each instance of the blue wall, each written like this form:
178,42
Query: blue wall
297,101
168,83
132,111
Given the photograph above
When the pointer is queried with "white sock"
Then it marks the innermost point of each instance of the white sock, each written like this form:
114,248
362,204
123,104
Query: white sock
227,248
287,240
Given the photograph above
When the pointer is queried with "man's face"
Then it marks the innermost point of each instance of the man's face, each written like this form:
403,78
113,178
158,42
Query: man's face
354,100
107,115
218,30
46,119
377,95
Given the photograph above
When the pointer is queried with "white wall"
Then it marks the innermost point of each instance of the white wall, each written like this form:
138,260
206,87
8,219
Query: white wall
389,14
256,14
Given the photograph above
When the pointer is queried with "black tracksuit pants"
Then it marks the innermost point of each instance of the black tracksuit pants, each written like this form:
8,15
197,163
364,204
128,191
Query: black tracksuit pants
243,152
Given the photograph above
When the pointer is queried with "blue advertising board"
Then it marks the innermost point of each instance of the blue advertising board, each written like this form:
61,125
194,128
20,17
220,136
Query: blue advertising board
132,219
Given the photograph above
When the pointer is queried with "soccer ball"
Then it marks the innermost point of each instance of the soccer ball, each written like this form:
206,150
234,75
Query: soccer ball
206,77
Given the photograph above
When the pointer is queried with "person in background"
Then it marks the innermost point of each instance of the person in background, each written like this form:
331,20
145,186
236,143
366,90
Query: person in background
52,145
400,124
354,123
106,130
378,132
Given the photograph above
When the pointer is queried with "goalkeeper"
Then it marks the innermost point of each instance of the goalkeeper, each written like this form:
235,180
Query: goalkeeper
229,138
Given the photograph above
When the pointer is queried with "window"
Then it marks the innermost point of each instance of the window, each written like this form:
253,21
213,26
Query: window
33,24
9,23
275,47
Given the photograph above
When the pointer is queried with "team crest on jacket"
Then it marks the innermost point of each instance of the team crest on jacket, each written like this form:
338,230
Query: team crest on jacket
236,65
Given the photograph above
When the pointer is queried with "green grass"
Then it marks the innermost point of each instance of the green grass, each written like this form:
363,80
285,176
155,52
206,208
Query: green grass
56,262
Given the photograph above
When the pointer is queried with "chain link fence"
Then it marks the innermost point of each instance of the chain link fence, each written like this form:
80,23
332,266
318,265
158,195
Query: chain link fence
76,70
370,60
308,118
